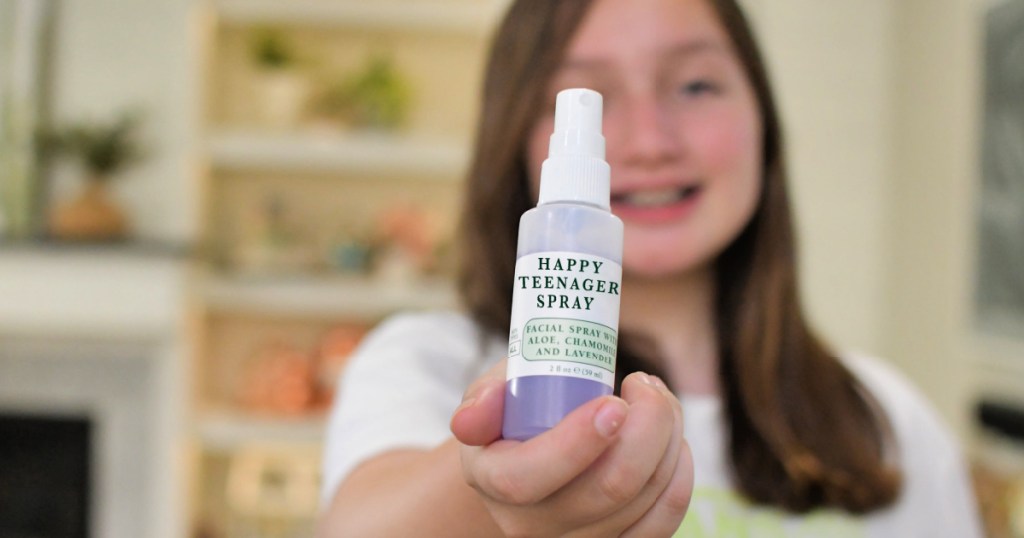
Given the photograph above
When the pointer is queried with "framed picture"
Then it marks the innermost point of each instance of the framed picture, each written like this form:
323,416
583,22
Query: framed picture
1000,286
25,36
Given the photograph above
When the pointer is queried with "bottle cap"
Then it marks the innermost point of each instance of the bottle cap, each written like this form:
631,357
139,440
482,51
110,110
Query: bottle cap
575,170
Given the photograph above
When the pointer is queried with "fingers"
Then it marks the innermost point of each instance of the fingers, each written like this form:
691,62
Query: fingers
524,473
671,486
477,421
612,464
627,479
665,517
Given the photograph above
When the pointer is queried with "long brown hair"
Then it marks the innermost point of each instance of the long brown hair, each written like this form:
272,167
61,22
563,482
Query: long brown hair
803,432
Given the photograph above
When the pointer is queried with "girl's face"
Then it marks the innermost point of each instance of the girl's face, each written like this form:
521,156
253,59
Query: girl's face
681,124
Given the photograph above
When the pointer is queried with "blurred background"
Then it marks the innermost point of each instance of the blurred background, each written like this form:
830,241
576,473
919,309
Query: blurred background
205,204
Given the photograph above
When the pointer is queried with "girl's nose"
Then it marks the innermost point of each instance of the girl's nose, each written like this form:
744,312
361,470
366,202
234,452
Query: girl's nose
642,133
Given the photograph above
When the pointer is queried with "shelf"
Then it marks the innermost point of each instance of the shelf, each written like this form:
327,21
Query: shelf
324,297
476,17
141,248
229,430
376,154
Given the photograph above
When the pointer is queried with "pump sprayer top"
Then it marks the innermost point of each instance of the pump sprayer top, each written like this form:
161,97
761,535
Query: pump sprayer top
575,170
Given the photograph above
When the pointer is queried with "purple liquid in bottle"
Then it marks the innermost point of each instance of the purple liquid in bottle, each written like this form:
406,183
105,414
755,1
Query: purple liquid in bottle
534,404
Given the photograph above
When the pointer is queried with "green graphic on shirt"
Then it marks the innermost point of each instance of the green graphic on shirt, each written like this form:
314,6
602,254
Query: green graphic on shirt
720,513
571,340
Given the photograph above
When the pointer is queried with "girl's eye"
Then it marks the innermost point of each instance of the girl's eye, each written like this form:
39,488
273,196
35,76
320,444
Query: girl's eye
698,87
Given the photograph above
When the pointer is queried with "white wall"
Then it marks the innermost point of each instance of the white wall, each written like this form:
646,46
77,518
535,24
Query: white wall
118,54
112,55
931,221
830,63
881,103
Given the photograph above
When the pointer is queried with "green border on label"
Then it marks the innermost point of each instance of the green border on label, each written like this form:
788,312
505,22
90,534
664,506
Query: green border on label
527,350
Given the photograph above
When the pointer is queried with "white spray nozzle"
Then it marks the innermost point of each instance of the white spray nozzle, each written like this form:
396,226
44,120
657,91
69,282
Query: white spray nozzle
578,123
575,170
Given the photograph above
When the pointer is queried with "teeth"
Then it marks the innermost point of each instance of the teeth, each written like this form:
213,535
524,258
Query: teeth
655,197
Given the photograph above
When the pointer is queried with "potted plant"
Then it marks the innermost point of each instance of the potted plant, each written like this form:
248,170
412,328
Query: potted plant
282,88
376,97
102,150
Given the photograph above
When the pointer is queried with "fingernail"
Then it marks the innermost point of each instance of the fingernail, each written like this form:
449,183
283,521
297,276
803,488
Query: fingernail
658,382
609,417
472,399
646,379
467,403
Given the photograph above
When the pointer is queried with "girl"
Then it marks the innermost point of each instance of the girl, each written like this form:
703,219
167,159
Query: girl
787,438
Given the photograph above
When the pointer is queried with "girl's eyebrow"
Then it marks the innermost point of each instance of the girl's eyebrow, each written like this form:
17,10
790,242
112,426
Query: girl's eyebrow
674,52
692,48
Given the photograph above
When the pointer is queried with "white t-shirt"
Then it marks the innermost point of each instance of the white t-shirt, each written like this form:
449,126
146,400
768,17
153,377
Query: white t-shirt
402,385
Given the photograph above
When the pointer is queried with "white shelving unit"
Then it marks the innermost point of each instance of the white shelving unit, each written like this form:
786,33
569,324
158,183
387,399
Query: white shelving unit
325,297
332,153
226,430
474,17
338,175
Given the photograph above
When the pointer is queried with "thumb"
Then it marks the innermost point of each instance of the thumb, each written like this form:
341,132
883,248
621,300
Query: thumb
477,421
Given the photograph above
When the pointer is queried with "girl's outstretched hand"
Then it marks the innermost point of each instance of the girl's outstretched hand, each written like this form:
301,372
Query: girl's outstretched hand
612,467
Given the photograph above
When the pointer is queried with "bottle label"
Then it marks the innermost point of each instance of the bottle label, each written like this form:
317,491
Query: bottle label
565,316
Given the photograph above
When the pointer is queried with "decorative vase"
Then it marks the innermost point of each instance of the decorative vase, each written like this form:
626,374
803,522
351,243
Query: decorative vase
91,216
284,93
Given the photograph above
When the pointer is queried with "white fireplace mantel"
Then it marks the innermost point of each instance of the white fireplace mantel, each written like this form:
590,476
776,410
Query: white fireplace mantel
91,291
77,326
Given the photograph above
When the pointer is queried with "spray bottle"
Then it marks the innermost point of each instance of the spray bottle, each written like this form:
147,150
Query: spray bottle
565,306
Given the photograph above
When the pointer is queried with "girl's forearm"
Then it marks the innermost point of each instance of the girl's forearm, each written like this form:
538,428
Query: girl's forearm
408,493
